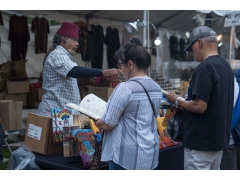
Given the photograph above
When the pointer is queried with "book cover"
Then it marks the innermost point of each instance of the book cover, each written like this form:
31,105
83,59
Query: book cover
60,118
90,105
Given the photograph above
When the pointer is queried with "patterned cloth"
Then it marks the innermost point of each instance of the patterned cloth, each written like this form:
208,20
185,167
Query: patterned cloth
133,142
19,37
2,135
95,46
59,88
113,44
40,27
84,34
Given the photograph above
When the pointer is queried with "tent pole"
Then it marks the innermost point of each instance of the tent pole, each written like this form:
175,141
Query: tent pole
144,28
230,45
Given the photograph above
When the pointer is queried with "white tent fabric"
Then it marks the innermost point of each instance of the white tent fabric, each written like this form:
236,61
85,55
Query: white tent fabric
34,63
218,12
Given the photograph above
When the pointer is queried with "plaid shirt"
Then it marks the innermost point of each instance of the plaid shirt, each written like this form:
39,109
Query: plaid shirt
59,89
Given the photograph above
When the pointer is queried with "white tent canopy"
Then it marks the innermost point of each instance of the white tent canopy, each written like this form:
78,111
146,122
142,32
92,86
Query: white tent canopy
168,22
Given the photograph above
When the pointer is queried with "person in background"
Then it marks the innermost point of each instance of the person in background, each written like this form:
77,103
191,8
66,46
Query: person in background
229,157
60,71
208,108
130,138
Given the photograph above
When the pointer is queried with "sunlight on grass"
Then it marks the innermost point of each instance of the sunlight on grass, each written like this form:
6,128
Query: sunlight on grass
6,154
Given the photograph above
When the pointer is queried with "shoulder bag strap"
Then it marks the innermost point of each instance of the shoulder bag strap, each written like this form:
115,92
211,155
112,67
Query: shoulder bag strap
147,95
148,98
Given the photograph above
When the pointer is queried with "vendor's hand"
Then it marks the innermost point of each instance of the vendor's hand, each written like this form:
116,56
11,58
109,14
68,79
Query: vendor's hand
171,97
113,73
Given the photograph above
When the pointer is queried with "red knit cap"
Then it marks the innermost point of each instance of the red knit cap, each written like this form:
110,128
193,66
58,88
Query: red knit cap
68,30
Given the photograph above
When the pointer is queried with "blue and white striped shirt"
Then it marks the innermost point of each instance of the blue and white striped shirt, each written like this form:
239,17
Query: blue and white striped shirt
59,89
133,142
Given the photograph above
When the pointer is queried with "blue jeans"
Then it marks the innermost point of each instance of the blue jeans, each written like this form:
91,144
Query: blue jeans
114,166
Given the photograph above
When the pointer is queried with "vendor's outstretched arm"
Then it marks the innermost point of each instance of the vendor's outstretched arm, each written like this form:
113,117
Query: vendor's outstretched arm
85,72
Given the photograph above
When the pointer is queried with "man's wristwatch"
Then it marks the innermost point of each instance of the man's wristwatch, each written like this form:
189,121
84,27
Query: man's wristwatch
176,102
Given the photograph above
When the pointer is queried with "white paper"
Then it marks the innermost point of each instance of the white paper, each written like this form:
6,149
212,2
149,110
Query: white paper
90,105
34,131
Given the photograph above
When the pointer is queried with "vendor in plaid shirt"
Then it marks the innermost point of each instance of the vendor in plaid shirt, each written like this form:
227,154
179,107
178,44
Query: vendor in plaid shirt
60,71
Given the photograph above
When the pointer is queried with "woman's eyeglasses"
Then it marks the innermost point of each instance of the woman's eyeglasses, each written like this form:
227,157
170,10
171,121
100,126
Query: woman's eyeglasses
119,65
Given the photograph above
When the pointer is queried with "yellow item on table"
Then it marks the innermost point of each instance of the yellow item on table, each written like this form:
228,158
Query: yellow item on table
168,115
94,128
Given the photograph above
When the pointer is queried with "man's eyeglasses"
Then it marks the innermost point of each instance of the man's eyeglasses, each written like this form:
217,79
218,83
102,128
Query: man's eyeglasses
119,65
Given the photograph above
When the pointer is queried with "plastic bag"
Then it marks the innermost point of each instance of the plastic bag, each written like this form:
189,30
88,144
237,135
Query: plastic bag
175,126
22,159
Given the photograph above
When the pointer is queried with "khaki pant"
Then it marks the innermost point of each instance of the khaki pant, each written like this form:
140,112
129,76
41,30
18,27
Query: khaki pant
202,160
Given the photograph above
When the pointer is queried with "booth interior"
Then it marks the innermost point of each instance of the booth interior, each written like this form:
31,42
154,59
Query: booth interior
171,67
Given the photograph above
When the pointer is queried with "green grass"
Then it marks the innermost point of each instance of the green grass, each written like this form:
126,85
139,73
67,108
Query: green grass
6,154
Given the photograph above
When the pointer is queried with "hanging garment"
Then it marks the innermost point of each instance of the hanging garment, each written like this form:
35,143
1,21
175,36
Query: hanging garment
182,53
19,36
173,47
1,19
189,54
95,46
153,37
40,27
113,44
84,35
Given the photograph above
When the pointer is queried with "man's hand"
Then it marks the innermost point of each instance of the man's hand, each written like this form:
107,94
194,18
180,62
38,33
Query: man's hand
171,97
113,73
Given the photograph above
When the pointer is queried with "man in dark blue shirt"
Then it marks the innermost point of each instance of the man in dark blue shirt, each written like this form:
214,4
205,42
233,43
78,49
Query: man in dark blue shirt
209,105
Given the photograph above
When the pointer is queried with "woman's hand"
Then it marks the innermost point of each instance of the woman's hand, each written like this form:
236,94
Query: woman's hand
102,126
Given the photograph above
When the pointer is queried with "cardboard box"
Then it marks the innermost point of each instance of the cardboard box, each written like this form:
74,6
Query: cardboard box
102,92
11,114
2,95
3,85
35,94
15,87
38,137
184,84
15,70
17,97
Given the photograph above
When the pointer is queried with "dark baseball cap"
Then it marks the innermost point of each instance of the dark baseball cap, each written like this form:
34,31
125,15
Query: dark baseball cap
198,33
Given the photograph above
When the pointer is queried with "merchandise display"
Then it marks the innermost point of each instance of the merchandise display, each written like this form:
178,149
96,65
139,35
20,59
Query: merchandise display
61,118
69,133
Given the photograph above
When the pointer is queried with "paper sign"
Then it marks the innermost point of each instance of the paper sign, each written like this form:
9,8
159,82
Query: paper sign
34,131
232,19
